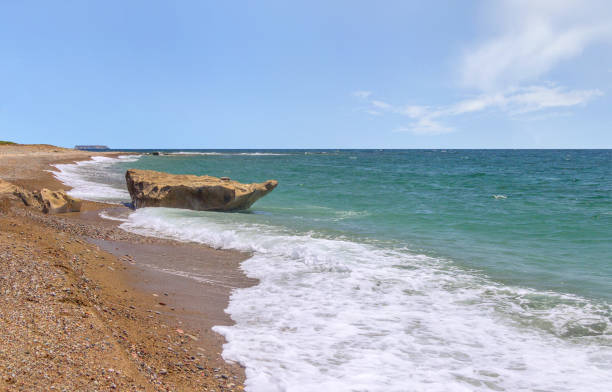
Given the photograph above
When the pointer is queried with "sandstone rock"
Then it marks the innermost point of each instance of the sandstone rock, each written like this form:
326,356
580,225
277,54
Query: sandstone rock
6,188
28,198
205,193
14,192
57,202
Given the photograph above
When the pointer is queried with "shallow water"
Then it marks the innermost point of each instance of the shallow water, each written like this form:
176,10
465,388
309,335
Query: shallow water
405,270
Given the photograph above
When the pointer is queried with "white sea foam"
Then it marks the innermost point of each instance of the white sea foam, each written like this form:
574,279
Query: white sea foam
119,217
335,315
262,154
91,180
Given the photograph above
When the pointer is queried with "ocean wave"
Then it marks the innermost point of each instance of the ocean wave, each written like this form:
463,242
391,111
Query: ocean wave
120,217
262,154
332,314
190,153
92,180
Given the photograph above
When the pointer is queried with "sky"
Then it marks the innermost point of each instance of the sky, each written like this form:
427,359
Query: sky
307,74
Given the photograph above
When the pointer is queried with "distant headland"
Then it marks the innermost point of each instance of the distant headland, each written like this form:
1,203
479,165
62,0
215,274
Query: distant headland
91,148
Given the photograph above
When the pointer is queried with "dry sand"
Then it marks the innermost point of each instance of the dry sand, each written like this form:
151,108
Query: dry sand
87,306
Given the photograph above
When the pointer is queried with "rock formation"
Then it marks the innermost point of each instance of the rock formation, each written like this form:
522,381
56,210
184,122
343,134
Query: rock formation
57,202
49,202
205,193
6,188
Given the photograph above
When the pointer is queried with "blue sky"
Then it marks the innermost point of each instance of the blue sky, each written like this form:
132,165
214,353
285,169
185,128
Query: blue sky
312,74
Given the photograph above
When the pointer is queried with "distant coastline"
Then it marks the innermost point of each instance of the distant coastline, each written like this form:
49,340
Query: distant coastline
97,147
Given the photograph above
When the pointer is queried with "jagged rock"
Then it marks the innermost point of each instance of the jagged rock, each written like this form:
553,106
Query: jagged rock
6,188
6,195
15,192
205,193
28,198
57,202
50,202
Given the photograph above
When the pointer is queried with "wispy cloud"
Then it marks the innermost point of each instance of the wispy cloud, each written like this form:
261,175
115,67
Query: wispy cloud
429,120
380,105
529,99
531,38
425,126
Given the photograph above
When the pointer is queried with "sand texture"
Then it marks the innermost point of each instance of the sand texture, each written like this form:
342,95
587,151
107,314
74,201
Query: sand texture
87,306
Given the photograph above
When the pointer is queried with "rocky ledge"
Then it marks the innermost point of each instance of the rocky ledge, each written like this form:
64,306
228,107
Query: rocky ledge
49,202
204,193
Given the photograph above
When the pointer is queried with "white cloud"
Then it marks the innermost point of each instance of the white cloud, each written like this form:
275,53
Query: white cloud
425,126
536,98
524,100
426,120
413,111
380,104
533,37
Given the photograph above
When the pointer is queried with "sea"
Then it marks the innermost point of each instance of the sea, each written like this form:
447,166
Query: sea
402,270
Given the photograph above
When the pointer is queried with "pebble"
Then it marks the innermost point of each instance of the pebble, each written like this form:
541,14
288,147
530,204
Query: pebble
82,345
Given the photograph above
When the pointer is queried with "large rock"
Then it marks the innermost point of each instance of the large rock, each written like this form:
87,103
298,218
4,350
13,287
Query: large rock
50,202
204,193
7,189
56,202
15,192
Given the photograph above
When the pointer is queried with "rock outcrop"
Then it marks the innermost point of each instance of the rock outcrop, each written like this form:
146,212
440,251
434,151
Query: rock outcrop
14,192
7,189
49,202
57,202
204,193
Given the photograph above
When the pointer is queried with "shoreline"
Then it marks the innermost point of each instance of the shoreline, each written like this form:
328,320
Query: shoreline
140,299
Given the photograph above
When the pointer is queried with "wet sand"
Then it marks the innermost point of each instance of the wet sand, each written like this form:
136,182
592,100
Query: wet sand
158,319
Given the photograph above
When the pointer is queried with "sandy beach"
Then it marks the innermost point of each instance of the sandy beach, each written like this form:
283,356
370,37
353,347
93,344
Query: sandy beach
87,306
306,196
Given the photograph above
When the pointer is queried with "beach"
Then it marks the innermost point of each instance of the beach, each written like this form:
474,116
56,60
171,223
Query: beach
306,196
83,307
367,270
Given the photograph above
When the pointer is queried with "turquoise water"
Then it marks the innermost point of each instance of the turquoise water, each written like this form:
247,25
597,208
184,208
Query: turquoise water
474,269
553,230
